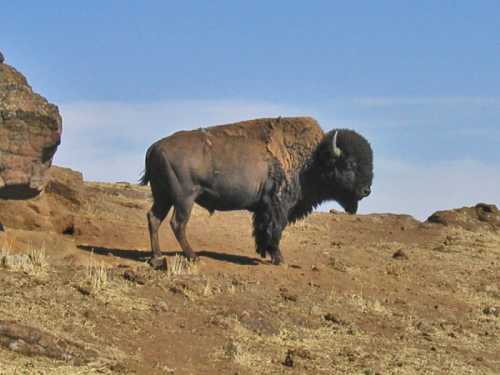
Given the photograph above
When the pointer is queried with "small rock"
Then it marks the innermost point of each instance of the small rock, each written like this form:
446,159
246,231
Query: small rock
400,254
332,318
440,248
303,353
89,314
118,367
490,310
84,290
337,264
316,311
231,350
133,277
287,296
288,362
426,336
160,307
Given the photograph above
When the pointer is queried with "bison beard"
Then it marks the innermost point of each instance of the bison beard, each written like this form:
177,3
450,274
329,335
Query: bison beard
284,203
269,218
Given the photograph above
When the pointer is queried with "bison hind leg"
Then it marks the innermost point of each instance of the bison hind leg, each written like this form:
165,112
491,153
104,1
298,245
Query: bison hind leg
155,217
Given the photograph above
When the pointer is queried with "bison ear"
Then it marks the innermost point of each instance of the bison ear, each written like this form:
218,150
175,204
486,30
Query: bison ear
336,150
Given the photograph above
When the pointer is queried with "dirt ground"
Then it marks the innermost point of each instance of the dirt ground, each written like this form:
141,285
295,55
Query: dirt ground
361,294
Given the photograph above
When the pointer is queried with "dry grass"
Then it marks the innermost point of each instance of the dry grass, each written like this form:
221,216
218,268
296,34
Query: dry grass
366,305
100,282
309,225
97,274
180,265
314,350
40,366
34,262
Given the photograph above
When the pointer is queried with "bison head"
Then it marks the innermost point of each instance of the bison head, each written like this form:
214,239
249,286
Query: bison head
348,162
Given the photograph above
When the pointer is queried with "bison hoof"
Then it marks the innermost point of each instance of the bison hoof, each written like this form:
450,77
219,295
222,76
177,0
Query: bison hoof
158,263
277,259
192,257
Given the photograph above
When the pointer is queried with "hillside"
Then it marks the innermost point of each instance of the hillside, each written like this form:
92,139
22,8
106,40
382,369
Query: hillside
361,294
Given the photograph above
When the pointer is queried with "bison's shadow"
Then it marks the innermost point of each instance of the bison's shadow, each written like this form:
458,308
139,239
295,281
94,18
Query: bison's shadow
230,258
143,256
137,255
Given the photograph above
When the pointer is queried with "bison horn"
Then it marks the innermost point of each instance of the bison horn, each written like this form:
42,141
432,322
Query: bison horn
337,152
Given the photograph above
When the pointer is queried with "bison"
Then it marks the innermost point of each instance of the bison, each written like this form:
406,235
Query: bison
279,169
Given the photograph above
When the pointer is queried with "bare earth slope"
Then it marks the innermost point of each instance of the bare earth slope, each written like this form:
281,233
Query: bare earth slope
359,294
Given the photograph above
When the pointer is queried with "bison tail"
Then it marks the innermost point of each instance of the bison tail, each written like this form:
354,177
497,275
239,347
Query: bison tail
146,174
144,178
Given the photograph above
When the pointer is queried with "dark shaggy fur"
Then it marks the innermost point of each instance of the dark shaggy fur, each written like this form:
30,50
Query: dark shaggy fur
289,201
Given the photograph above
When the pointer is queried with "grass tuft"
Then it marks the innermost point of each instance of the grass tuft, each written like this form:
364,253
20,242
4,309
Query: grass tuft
33,262
97,274
180,265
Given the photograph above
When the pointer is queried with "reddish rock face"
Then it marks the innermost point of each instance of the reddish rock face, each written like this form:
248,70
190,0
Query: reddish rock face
482,215
30,131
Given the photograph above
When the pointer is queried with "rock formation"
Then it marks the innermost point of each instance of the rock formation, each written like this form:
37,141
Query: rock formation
482,215
30,131
54,211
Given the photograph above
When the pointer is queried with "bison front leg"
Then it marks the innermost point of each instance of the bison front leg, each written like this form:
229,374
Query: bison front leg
274,248
269,223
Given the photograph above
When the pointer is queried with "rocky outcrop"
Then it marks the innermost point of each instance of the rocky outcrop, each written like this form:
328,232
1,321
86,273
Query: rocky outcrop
32,341
30,131
79,209
54,211
482,215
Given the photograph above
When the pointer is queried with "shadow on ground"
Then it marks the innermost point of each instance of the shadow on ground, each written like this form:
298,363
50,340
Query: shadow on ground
143,256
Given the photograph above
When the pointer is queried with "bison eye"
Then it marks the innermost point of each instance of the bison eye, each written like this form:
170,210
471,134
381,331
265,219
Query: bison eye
350,164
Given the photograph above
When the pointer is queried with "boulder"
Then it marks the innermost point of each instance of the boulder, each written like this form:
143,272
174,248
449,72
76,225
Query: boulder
481,216
55,211
30,131
31,341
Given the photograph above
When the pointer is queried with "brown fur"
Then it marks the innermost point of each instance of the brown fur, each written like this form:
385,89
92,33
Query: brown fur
290,140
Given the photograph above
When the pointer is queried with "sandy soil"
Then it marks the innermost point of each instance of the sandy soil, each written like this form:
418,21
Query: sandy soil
374,294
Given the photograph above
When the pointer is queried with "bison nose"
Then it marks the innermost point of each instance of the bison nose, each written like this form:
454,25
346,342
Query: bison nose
365,192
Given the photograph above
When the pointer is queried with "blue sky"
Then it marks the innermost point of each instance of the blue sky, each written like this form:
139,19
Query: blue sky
420,79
